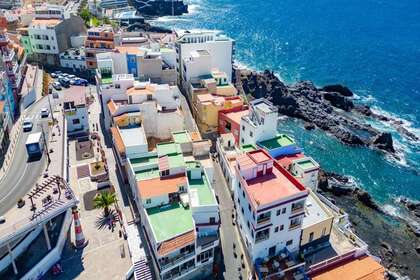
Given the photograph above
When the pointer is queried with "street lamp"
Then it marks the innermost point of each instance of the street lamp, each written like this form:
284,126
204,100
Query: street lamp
49,102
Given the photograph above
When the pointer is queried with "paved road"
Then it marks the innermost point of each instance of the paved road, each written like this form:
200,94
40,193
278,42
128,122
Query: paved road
22,174
228,232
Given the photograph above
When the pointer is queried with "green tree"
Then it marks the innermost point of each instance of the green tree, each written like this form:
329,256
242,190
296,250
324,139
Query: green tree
85,15
104,200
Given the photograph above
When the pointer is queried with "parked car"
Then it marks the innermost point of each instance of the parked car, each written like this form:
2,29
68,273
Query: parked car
73,82
57,85
84,82
27,125
53,75
65,82
58,73
45,112
71,76
59,77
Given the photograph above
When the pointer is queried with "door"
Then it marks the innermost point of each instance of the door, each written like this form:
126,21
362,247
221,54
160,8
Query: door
272,251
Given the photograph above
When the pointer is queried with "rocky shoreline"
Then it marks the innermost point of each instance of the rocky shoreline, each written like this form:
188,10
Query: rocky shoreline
329,108
394,239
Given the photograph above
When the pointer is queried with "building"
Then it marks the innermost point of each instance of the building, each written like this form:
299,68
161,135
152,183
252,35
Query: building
178,208
99,40
34,231
304,168
230,121
50,33
270,205
25,40
317,225
155,64
76,111
219,48
74,58
5,127
260,124
10,4
363,268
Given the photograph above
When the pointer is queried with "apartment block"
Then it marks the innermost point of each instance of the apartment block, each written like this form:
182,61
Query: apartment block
99,40
76,111
270,205
74,58
219,47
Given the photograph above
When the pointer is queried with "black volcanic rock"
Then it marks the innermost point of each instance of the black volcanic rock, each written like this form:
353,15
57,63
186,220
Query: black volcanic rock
309,126
363,109
339,101
384,141
303,100
344,91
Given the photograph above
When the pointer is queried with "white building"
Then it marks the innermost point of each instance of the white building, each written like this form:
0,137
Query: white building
50,32
195,65
76,111
158,104
219,47
74,59
269,205
306,170
260,124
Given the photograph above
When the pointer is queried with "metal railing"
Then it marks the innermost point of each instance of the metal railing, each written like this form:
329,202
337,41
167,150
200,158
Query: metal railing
173,261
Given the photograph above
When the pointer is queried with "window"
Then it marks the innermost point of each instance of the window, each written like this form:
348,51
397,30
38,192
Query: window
242,210
251,134
264,217
278,212
297,206
243,128
243,193
76,121
228,126
242,140
323,231
276,229
262,235
247,223
117,86
283,210
212,220
311,237
249,207
262,120
290,242
149,97
281,227
205,256
239,200
148,201
294,223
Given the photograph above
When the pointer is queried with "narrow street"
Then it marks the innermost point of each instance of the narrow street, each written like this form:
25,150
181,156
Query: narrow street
229,236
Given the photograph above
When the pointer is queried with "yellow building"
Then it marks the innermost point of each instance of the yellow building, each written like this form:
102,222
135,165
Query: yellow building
206,110
128,119
317,223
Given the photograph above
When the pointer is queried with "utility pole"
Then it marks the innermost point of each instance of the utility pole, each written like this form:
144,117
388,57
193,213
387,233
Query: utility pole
45,142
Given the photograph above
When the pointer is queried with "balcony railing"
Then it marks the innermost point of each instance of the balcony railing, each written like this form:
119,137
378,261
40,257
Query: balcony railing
297,209
263,220
261,238
175,260
294,226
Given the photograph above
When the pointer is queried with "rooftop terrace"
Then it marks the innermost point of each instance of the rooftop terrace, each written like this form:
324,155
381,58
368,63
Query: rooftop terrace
200,191
281,140
140,163
315,211
147,174
169,221
181,137
168,148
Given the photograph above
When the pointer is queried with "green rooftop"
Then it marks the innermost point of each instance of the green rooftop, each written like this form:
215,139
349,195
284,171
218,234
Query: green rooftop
106,80
181,137
281,140
176,161
306,163
205,195
147,174
248,148
169,221
168,148
144,161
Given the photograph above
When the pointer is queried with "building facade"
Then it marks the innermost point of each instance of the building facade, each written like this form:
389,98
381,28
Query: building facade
74,58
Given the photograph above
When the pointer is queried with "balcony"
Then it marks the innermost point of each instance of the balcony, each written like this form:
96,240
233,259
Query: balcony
298,209
165,264
263,220
295,226
262,237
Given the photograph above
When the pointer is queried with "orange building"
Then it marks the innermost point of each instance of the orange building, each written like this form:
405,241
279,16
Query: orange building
99,40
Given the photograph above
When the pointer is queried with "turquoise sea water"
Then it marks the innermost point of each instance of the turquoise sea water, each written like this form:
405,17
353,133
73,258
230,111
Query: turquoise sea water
372,46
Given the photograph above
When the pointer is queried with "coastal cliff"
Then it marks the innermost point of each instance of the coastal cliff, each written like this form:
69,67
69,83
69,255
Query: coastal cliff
329,108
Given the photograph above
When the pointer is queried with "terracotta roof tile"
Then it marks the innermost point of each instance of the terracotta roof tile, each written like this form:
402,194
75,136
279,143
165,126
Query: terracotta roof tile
160,186
118,141
365,268
176,243
112,107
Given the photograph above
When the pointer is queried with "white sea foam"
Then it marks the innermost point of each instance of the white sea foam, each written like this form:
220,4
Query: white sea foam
391,210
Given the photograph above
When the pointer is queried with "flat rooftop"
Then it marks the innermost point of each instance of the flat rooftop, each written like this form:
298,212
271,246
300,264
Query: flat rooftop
200,191
169,221
315,211
50,198
269,188
248,148
286,160
160,186
181,137
171,161
281,140
147,174
133,136
168,148
140,163
236,116
307,163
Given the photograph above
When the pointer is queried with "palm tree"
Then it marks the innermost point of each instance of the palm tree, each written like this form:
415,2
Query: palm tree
104,200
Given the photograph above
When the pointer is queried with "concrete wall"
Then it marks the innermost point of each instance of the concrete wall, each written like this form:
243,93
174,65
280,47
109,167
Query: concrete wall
156,201
319,230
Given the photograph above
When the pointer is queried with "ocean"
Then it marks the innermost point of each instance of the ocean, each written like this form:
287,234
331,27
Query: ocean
371,46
